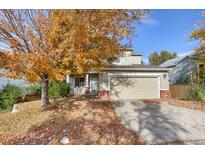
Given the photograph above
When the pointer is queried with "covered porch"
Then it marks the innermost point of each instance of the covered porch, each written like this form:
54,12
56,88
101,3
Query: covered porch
84,83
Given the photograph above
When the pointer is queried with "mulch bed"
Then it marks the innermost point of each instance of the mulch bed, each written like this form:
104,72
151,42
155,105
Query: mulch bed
180,103
29,98
82,121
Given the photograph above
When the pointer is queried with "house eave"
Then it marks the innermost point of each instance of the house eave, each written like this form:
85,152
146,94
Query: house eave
138,69
136,54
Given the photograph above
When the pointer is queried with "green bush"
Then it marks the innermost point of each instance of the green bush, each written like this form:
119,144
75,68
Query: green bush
9,95
196,93
57,89
54,89
65,89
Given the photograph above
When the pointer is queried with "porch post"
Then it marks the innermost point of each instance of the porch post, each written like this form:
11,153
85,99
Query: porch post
67,79
87,87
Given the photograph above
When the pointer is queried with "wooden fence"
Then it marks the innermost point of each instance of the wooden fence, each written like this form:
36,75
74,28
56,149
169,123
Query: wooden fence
178,91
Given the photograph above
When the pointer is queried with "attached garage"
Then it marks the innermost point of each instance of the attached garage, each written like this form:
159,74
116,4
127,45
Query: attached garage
134,82
126,87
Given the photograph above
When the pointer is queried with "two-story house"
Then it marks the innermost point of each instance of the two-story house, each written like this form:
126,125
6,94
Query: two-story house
126,78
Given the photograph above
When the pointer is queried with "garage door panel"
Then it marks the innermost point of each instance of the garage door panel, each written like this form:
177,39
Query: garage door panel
134,88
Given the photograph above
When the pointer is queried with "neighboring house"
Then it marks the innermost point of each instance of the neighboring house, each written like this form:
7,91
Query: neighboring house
126,78
180,68
4,81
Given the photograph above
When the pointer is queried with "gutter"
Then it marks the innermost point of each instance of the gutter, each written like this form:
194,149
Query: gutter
138,69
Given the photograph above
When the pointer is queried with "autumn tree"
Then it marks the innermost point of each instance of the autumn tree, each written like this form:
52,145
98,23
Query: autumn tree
199,53
39,45
164,55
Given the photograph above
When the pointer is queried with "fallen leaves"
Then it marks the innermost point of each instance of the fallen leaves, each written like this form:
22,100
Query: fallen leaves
83,121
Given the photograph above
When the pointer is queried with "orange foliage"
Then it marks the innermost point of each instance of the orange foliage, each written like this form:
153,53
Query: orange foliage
59,42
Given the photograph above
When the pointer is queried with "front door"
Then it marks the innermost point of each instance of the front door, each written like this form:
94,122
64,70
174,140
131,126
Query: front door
94,84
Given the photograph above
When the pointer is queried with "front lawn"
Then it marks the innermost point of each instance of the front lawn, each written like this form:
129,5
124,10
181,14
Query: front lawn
81,120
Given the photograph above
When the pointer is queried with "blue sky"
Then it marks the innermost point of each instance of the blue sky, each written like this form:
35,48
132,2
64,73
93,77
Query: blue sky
167,29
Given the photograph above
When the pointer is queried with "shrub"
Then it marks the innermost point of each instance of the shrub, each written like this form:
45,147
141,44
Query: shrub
196,93
10,95
54,89
57,89
65,89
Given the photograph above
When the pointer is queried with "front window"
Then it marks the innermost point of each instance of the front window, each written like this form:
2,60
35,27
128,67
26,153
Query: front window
79,81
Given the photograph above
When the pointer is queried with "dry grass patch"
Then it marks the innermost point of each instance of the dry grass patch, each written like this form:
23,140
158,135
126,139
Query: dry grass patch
83,121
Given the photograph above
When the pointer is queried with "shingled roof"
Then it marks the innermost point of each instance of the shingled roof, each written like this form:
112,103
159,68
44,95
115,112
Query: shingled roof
173,62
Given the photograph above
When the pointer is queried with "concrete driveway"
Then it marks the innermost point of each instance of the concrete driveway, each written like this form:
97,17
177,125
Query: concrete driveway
162,123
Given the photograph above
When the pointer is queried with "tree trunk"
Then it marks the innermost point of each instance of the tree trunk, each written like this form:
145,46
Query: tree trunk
44,91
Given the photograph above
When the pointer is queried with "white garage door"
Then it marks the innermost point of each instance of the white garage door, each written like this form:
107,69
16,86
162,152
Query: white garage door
134,87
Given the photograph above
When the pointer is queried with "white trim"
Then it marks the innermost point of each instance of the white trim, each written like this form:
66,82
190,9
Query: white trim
67,79
136,76
159,86
122,69
87,80
164,89
134,73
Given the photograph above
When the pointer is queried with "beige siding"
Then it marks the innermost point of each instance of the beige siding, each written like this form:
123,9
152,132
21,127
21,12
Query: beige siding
129,59
134,60
103,81
134,87
164,82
